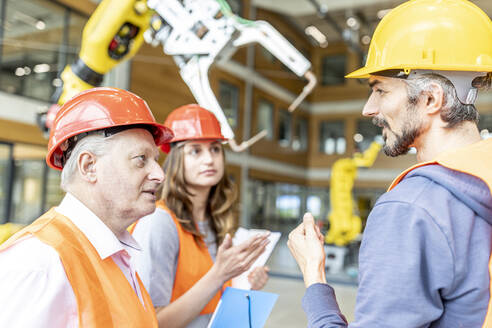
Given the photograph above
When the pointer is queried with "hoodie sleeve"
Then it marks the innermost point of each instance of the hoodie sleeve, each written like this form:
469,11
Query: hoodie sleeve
405,261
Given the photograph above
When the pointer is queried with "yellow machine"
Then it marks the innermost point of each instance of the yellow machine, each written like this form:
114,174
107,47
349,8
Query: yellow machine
114,33
345,226
8,229
196,33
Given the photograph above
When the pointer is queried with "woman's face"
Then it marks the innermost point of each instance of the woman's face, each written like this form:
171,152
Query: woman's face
203,163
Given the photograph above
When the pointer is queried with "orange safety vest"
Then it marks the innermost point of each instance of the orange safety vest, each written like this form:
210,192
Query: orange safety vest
475,160
194,261
104,296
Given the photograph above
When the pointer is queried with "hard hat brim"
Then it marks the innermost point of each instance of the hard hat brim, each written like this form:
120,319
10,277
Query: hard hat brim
366,72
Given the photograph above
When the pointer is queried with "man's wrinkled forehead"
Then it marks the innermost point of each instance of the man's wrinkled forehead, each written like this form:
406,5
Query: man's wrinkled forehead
137,138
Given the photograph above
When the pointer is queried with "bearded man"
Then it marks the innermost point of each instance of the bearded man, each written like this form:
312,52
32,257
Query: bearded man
424,257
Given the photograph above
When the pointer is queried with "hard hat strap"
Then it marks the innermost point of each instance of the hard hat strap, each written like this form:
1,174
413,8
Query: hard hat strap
461,80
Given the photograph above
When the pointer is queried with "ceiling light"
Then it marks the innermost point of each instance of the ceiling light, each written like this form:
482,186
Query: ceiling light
353,23
27,70
57,83
358,137
316,34
383,13
366,39
19,71
41,68
40,25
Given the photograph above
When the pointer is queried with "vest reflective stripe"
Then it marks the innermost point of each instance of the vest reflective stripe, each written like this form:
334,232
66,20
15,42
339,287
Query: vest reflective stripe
194,261
103,294
475,160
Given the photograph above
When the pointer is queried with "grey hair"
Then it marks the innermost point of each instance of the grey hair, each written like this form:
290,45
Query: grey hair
95,143
453,111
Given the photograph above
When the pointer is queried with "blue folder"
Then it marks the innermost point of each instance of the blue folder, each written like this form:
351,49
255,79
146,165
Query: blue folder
239,308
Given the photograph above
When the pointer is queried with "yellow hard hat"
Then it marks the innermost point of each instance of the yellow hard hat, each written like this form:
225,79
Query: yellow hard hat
440,35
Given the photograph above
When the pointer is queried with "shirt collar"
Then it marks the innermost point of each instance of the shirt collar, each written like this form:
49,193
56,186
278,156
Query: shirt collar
97,232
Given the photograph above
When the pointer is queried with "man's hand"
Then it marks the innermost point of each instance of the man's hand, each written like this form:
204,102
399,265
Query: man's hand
306,245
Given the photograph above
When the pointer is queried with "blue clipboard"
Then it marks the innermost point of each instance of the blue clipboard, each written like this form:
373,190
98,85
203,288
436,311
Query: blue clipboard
240,308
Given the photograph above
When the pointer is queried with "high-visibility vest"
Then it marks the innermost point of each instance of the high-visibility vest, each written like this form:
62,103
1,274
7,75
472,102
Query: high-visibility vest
103,295
475,160
194,261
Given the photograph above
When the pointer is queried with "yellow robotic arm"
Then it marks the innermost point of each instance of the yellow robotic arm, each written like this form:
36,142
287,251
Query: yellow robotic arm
195,32
114,33
8,229
345,226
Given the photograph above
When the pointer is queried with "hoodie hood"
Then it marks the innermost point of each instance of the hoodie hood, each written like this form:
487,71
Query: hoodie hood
471,190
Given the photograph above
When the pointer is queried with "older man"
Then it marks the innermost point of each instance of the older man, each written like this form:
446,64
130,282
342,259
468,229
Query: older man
73,266
426,246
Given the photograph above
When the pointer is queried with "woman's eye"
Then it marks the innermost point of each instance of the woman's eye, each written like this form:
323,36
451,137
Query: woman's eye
216,149
195,151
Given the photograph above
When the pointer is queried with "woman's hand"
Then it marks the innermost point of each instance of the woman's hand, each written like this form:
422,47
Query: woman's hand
231,261
258,277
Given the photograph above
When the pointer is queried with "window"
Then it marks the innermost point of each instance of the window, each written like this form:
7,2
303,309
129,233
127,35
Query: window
27,192
284,128
366,134
332,137
333,69
267,54
313,205
236,7
300,139
288,206
229,101
5,160
485,126
265,118
28,187
36,46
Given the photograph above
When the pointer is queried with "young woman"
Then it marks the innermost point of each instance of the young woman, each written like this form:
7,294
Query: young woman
180,263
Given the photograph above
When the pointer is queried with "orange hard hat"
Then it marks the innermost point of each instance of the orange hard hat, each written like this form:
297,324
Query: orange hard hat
99,109
192,122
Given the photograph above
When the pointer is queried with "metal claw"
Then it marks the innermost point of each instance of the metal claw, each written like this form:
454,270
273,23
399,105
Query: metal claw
246,144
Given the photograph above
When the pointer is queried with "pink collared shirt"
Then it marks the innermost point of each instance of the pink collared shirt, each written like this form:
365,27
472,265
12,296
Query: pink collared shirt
34,289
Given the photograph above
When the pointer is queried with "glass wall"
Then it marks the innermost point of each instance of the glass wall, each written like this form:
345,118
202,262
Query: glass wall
332,137
284,128
40,38
485,126
333,69
29,187
229,101
5,167
280,206
300,138
264,120
366,133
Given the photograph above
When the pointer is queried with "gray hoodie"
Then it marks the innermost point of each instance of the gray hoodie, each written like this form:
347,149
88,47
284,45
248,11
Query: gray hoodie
423,259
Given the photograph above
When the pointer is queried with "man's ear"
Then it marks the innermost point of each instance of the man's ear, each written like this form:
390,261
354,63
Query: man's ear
87,166
433,99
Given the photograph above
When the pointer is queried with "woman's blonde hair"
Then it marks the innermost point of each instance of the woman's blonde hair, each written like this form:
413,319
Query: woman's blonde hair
221,200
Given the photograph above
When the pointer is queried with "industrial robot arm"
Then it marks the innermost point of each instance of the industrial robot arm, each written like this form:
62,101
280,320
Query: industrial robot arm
345,226
195,32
